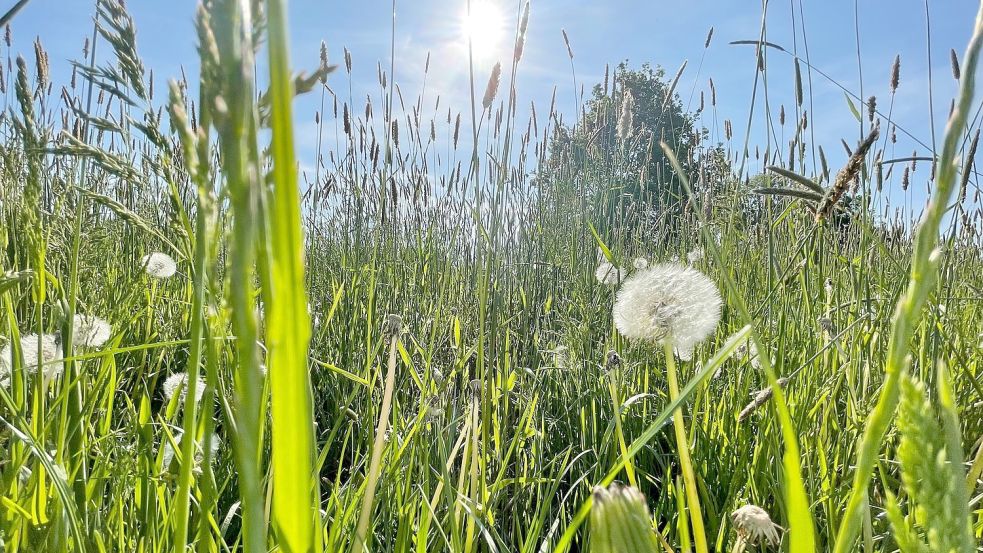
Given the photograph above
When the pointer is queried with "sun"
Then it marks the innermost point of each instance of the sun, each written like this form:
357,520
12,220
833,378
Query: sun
484,27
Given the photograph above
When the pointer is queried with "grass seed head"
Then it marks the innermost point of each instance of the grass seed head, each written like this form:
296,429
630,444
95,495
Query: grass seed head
896,74
492,89
626,120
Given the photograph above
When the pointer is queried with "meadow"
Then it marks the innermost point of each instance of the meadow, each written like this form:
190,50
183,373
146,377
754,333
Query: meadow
608,334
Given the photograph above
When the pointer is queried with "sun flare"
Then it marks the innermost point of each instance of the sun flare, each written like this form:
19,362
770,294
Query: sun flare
484,28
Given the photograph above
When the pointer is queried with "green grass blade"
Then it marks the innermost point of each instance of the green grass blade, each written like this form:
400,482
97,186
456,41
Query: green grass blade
924,272
295,486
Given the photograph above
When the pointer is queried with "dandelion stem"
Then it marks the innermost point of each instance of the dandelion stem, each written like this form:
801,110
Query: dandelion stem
686,464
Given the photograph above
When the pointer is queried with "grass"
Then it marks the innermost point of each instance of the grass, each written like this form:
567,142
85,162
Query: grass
412,353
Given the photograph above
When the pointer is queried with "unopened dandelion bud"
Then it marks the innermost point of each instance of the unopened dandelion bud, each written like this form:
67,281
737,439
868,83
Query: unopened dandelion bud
620,521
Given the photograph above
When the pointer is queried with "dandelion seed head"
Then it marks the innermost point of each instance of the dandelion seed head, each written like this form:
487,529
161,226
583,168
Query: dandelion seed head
180,381
561,357
695,256
641,263
668,301
748,351
753,523
158,265
90,331
685,352
49,356
609,275
168,449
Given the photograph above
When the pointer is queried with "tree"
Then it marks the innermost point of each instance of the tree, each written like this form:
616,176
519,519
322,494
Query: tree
612,157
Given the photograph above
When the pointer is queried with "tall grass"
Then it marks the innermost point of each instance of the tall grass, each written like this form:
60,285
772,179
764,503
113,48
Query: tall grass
410,351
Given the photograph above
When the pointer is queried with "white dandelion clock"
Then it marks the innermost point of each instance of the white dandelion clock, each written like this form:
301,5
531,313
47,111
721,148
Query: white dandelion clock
168,449
668,303
695,256
179,381
748,351
158,265
48,356
90,331
640,263
6,358
685,353
609,275
753,524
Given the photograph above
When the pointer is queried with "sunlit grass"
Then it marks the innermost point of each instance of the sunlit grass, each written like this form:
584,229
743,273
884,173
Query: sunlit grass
422,351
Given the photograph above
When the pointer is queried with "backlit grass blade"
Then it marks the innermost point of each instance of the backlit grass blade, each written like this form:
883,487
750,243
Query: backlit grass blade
801,526
295,485
657,425
925,262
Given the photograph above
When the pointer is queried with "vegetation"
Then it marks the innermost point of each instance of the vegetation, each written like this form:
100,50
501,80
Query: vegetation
466,343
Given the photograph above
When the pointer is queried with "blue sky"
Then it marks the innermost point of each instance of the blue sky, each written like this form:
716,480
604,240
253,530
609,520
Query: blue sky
661,32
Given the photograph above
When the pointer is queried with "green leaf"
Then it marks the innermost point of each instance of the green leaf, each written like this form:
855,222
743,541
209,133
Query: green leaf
853,107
